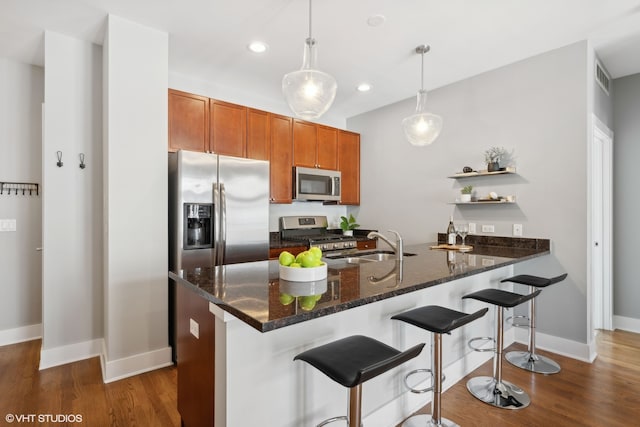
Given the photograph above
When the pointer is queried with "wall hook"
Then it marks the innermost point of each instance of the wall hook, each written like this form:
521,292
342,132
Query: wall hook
82,165
59,154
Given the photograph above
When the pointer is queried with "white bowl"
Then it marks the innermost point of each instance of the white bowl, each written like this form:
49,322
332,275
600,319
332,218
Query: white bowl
300,289
300,274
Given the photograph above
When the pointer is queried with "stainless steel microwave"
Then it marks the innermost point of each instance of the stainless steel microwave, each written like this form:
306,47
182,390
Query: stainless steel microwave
316,184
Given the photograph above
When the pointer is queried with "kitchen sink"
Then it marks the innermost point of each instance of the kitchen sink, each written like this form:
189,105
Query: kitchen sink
368,256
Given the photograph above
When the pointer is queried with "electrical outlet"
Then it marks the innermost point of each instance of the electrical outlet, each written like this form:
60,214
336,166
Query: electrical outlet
488,228
194,328
517,229
472,228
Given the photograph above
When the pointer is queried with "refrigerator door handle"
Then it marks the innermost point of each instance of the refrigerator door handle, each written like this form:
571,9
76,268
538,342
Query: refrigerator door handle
216,225
223,225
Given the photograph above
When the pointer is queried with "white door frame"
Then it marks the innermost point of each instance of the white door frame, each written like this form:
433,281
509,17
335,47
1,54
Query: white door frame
601,226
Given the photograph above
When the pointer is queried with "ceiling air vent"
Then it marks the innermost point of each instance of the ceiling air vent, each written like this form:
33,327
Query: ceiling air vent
602,77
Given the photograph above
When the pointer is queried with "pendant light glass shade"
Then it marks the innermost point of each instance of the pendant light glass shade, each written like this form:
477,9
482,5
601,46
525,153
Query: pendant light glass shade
308,91
422,128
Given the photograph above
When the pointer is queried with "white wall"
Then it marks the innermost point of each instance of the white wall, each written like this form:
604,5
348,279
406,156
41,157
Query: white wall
135,176
22,89
72,211
536,107
626,147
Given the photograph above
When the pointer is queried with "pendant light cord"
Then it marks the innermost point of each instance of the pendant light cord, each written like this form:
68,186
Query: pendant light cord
310,1
421,71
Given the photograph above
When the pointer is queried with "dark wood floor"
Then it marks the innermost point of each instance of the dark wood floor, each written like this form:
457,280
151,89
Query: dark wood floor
605,393
77,389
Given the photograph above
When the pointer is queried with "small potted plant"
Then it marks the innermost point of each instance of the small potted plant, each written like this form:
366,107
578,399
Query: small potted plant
465,193
493,156
348,225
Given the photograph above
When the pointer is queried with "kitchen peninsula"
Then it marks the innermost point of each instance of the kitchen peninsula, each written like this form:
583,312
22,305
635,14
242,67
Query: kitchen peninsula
239,328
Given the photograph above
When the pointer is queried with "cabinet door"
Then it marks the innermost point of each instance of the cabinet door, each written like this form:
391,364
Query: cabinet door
228,128
188,121
304,144
349,165
327,149
281,159
257,134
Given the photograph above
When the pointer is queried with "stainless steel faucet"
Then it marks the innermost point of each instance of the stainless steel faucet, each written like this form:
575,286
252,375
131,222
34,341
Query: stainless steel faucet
397,246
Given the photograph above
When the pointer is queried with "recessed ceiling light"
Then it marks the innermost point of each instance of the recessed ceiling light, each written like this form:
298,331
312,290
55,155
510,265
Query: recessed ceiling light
376,20
364,87
257,47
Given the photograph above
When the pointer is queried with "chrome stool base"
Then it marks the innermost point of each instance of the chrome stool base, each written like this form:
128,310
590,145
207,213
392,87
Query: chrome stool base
501,395
532,362
426,420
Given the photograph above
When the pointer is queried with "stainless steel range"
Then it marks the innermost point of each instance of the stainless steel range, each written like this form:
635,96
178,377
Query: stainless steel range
313,231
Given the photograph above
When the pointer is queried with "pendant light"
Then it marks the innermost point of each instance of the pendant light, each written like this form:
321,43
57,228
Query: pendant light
308,91
422,128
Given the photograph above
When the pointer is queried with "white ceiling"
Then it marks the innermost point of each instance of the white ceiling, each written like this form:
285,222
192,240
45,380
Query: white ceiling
208,38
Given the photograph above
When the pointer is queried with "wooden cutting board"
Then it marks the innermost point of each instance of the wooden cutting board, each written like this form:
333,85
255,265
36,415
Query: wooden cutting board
445,246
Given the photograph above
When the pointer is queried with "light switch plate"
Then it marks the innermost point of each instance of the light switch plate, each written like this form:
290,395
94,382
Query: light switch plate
7,225
472,228
517,229
488,228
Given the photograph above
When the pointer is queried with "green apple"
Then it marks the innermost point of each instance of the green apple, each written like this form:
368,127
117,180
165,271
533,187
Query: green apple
316,252
286,258
307,302
295,265
308,260
300,256
286,299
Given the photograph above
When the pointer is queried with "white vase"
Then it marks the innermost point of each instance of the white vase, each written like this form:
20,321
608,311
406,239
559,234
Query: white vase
465,198
347,232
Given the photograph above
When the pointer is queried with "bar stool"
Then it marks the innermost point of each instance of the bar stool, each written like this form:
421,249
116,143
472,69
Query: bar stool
351,361
529,360
494,390
438,320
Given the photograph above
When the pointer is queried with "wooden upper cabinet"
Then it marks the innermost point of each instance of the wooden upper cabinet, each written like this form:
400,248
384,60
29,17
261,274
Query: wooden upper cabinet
258,134
327,148
349,166
281,160
315,146
304,144
228,128
188,121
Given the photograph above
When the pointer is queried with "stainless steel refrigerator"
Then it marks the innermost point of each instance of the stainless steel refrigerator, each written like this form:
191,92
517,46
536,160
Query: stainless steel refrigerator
218,210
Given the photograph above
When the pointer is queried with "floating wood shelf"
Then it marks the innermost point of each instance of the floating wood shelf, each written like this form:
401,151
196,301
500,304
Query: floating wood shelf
505,171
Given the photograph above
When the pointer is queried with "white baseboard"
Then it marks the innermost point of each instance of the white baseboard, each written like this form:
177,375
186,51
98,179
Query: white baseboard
408,402
69,353
118,369
573,349
21,334
626,324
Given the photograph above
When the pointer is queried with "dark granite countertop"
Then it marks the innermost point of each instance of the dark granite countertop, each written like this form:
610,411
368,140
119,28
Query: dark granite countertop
254,293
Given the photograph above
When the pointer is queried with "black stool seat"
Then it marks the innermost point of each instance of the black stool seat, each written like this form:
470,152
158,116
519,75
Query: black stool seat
535,281
353,360
440,320
501,298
